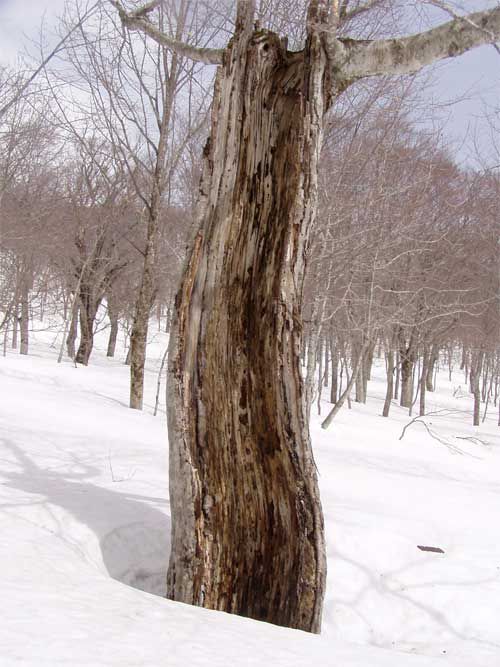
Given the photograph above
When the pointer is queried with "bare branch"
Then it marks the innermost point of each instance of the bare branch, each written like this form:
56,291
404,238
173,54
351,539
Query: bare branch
137,21
46,60
407,55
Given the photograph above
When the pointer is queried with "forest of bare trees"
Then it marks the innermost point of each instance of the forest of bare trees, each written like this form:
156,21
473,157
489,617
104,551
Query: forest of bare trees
100,165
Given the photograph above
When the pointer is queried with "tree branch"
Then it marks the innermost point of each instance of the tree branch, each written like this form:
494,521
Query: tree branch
137,21
407,55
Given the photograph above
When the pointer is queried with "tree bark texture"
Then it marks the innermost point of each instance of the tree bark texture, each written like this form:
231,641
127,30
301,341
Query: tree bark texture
247,525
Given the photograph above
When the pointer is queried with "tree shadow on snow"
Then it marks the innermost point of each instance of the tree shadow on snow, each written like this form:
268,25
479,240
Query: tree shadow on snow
133,530
406,600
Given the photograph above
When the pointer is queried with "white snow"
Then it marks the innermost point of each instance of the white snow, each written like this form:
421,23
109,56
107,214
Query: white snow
84,512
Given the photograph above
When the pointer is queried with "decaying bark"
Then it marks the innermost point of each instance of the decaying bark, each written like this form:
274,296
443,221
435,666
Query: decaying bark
247,523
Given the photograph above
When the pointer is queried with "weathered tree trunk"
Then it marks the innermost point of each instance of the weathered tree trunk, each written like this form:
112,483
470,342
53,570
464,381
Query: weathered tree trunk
247,526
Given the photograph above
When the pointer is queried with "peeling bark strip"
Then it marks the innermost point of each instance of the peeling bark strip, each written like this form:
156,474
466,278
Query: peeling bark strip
246,516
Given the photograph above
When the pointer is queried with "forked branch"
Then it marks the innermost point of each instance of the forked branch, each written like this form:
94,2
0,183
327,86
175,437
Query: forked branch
138,20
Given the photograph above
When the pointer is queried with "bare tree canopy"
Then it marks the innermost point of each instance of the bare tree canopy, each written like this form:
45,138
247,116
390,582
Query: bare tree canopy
351,59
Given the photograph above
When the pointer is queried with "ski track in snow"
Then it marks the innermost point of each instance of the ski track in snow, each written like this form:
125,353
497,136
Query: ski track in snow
85,532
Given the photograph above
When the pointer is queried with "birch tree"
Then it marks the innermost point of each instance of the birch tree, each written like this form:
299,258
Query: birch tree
247,526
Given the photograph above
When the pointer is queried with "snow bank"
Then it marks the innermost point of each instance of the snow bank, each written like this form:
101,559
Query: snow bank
85,529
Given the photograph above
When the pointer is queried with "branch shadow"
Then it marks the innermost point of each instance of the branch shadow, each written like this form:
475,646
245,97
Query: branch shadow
388,586
133,530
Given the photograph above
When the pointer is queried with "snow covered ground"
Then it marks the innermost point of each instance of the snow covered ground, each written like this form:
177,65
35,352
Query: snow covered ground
85,523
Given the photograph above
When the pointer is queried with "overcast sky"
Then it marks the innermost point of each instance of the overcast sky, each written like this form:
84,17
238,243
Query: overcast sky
474,77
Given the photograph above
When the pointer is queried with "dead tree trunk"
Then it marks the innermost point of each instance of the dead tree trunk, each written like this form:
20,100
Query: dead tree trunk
247,522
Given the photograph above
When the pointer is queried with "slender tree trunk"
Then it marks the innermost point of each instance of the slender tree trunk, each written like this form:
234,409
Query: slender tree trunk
24,323
320,373
390,383
368,366
335,372
360,396
15,325
73,329
398,376
429,378
345,395
146,295
247,526
326,374
463,363
426,366
113,333
475,377
407,357
139,334
312,358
